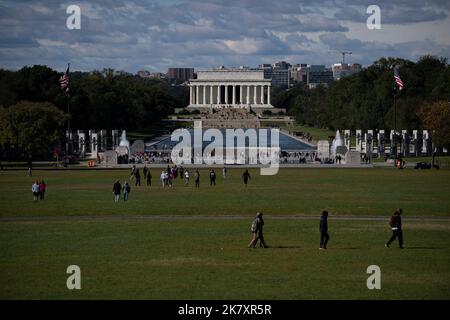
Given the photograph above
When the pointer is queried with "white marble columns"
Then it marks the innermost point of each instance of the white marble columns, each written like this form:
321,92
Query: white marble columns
241,93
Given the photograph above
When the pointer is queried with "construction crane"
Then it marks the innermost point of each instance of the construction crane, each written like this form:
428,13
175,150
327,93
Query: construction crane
343,54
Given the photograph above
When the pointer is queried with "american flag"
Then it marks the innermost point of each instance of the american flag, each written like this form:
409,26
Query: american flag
64,81
397,78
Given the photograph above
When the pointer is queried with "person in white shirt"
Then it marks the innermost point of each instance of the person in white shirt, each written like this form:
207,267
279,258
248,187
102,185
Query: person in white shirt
35,190
186,177
163,179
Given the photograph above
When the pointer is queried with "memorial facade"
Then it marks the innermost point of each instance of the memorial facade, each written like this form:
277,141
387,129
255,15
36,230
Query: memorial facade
235,87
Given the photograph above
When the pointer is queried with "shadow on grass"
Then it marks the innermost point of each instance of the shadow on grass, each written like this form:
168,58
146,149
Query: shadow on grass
284,247
423,248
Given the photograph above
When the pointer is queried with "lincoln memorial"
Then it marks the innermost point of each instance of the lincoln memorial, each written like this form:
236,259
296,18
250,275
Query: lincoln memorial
230,88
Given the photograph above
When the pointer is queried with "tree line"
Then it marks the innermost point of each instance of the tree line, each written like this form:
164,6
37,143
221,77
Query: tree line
98,100
366,100
34,110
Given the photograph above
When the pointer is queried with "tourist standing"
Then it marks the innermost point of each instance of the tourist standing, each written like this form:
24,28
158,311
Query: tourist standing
116,190
197,179
42,188
224,172
35,190
396,225
137,176
144,171
257,231
246,177
186,177
212,177
323,227
163,179
149,179
126,191
133,171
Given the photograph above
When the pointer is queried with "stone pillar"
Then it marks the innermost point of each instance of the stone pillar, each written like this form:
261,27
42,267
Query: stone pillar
248,94
218,94
262,94
226,94
191,95
196,95
268,96
241,95
254,94
204,94
234,94
211,94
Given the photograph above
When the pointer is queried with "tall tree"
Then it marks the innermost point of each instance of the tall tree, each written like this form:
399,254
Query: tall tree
436,118
32,127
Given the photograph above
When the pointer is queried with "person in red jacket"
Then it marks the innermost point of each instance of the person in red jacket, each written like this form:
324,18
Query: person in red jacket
42,188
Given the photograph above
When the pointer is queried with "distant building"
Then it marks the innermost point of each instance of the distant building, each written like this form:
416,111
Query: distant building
181,74
342,70
278,72
319,75
299,73
151,75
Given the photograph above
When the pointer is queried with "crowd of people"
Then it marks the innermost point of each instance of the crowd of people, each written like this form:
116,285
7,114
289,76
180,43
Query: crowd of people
168,176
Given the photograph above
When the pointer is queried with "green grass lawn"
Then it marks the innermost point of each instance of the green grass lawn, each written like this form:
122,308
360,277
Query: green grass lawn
316,133
210,260
376,191
205,258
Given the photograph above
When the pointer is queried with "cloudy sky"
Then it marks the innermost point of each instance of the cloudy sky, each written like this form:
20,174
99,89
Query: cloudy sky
154,35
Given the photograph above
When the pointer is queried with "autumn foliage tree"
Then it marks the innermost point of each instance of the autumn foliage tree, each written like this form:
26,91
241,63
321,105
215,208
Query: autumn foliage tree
435,117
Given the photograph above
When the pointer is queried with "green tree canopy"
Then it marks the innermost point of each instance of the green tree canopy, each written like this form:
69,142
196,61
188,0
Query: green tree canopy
32,127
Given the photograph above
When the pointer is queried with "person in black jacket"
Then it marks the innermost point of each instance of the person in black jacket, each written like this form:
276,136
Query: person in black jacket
117,187
396,226
212,177
246,176
324,236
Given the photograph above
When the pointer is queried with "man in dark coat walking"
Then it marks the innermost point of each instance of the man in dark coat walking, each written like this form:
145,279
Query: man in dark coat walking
396,225
324,236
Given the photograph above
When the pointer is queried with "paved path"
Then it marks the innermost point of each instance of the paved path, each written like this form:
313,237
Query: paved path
137,218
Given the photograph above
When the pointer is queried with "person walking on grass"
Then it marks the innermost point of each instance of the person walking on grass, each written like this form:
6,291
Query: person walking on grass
133,172
246,177
137,177
126,191
224,172
212,177
396,225
116,190
163,179
197,179
323,227
42,188
257,231
186,177
35,190
144,171
149,179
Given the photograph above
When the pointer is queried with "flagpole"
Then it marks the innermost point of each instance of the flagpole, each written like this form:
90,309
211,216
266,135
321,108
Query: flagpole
395,123
68,121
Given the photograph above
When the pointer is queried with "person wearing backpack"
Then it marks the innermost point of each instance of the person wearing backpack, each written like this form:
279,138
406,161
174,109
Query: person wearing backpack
257,231
396,225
